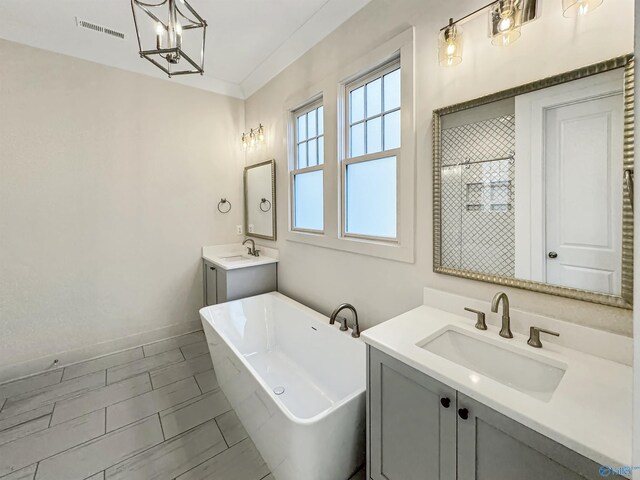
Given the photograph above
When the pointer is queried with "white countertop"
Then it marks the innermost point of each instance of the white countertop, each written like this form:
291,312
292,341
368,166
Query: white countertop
234,256
590,411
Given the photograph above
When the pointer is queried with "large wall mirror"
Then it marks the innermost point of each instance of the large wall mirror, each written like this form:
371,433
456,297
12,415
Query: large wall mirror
260,200
533,186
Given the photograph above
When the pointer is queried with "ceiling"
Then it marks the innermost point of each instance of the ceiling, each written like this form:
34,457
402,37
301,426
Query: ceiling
248,41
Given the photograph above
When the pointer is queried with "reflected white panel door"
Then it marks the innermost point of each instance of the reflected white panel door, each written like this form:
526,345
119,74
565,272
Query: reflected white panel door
583,205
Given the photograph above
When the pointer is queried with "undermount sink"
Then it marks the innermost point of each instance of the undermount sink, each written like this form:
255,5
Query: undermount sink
238,258
538,377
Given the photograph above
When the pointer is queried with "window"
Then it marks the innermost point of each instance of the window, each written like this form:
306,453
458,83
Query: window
307,174
369,171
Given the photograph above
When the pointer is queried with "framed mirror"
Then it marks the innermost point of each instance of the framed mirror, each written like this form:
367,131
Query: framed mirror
260,200
533,186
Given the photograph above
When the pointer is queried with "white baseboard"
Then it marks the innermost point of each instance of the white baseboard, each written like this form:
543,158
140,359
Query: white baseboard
45,363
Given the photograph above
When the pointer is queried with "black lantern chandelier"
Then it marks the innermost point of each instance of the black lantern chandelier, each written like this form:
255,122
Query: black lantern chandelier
171,35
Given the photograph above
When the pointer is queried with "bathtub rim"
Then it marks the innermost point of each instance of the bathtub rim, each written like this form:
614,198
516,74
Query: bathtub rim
317,316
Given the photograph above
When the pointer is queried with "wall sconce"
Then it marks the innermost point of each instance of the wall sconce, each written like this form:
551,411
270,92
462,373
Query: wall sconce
505,19
255,136
579,8
450,45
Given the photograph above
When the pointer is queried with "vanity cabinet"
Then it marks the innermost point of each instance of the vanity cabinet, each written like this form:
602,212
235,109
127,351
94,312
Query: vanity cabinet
222,285
420,429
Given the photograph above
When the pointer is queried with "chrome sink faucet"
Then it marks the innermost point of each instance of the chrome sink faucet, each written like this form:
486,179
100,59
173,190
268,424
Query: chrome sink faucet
343,321
505,331
252,249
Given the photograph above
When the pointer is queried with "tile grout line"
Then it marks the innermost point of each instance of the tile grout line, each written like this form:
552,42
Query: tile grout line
58,453
161,427
152,390
215,419
199,387
161,443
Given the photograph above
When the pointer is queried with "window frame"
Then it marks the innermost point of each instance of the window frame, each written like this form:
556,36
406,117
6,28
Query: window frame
310,106
331,86
345,160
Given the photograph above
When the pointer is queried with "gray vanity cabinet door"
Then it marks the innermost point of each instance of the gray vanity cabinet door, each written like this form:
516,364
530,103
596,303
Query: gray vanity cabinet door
211,282
494,447
411,431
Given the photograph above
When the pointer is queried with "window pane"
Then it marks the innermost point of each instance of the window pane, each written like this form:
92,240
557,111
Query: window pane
371,198
311,124
374,97
374,135
313,153
320,150
392,90
308,209
302,128
320,120
356,102
392,130
302,155
357,140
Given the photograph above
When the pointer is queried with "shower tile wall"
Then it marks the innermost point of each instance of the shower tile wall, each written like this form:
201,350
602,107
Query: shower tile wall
478,191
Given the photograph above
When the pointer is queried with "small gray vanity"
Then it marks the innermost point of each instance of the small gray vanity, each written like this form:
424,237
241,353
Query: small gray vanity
420,428
242,270
231,273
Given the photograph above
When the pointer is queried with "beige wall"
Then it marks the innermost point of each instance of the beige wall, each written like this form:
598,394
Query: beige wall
109,182
379,288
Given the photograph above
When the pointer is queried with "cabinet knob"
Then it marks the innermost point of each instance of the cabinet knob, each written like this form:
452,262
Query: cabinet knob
211,268
553,255
463,413
446,402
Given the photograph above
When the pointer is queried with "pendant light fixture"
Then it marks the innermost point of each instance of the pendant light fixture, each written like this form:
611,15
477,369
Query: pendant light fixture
171,35
579,8
505,22
450,45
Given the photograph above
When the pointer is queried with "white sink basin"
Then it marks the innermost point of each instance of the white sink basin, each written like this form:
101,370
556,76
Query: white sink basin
238,258
530,374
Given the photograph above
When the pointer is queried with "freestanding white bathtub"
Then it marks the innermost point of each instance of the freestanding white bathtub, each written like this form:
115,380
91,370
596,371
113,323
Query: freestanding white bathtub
296,383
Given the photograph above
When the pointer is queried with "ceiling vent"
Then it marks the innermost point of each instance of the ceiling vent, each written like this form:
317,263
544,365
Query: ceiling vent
99,28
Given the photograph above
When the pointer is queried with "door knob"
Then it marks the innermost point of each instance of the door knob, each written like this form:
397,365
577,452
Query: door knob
445,402
553,255
464,413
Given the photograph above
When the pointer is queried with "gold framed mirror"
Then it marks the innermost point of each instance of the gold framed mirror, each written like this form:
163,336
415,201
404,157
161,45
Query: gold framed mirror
532,186
260,200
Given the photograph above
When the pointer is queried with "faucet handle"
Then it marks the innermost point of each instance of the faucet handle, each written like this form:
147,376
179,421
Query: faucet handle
481,324
534,336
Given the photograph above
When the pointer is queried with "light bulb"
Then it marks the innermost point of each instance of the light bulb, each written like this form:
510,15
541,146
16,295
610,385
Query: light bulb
178,29
505,24
159,29
583,9
261,133
451,49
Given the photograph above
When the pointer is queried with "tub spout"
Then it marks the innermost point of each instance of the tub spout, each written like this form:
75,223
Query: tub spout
346,306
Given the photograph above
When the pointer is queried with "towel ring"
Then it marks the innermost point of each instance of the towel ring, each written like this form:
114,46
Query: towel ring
224,201
262,202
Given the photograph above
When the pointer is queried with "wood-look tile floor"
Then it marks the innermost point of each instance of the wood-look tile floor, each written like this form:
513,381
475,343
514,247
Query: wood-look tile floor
153,412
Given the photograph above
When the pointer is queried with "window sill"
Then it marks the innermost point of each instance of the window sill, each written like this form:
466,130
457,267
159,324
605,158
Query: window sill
373,248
